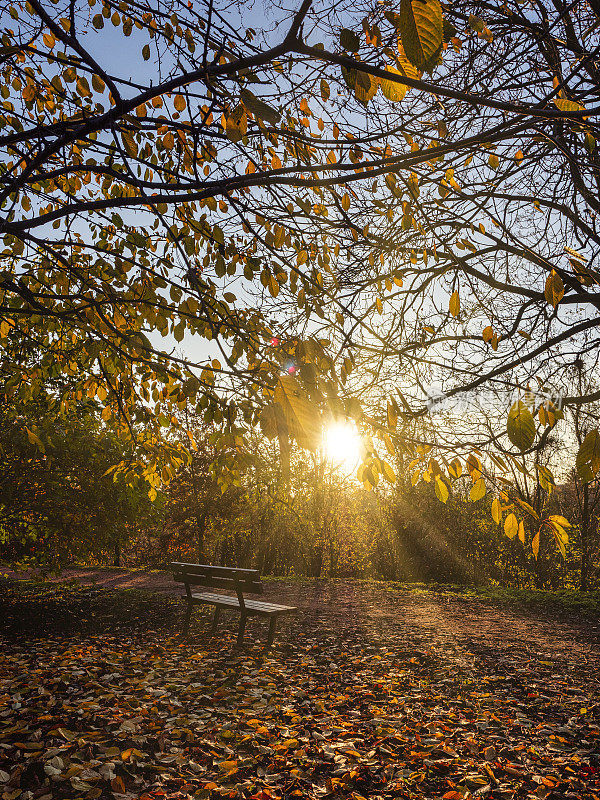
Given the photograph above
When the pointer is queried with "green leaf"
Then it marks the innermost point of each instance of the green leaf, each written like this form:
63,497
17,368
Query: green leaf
588,457
590,142
259,108
421,28
365,87
349,40
449,31
520,426
349,76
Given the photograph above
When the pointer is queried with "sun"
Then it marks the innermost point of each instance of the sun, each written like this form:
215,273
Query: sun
343,446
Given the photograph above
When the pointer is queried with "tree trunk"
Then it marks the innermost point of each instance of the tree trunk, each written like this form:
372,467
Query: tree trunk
584,539
316,562
200,533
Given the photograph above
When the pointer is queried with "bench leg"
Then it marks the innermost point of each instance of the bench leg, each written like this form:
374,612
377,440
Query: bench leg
272,626
215,621
240,638
186,622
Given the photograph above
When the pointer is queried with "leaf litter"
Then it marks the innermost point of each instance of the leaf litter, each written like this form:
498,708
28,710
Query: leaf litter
101,698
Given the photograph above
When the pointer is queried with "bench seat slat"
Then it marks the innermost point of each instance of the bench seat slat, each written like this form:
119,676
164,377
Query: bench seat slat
252,606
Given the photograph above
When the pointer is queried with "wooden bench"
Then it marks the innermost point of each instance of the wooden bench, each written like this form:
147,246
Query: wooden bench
238,580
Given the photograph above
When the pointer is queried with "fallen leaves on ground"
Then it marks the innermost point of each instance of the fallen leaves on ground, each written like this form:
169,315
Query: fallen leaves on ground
129,710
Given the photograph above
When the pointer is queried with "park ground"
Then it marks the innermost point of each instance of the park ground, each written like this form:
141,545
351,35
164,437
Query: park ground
372,690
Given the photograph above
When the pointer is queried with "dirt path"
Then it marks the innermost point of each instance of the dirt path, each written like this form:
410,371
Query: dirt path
461,629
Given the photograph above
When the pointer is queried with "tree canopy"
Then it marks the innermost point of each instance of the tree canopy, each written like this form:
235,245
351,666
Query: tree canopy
345,205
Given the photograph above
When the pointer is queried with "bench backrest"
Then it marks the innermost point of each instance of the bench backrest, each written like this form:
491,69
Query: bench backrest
239,580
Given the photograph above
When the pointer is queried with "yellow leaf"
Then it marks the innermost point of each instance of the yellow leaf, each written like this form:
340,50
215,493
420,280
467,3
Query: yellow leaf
562,521
455,468
588,456
496,511
392,417
454,305
5,327
236,124
561,537
388,472
567,105
535,544
511,526
477,490
179,102
554,289
392,90
441,490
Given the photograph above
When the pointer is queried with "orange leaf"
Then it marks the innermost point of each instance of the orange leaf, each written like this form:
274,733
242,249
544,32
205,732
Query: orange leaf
117,785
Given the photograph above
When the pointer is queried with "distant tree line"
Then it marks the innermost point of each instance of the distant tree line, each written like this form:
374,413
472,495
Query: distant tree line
58,505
